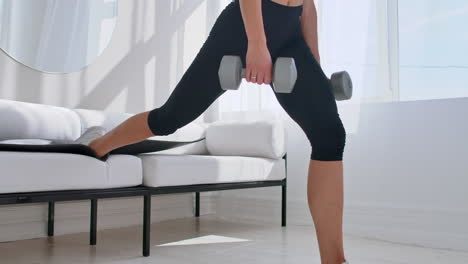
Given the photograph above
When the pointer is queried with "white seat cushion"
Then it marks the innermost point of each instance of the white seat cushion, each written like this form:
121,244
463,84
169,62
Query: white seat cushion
31,172
173,170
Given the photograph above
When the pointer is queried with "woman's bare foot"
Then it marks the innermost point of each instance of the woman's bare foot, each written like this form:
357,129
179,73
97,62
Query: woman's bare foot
133,130
95,145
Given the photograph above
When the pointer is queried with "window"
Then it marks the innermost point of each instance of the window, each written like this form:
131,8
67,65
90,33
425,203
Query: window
433,47
397,50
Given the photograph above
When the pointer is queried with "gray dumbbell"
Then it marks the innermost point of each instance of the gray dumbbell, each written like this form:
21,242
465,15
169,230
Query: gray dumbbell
284,74
342,85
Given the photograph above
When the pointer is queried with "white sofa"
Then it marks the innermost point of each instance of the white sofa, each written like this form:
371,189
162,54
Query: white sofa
233,155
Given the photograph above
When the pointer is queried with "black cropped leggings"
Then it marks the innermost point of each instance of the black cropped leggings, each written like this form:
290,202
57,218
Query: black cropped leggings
311,104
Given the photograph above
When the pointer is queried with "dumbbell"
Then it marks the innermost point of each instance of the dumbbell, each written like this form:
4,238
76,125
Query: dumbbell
284,76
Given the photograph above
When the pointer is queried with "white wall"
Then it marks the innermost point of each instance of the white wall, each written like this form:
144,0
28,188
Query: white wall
153,43
406,168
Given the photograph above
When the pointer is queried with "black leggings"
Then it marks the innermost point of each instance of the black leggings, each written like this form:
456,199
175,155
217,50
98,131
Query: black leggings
311,104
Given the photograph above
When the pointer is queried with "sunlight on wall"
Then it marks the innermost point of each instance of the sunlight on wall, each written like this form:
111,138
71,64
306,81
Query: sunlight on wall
150,68
119,101
194,33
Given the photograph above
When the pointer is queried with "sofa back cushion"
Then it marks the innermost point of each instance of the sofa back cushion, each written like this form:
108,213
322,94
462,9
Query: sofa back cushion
253,138
21,120
108,120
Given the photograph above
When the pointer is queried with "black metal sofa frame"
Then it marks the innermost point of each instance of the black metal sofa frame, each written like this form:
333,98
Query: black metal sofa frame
72,195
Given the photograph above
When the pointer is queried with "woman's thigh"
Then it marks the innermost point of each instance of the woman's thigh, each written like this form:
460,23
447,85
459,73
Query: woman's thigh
199,87
312,104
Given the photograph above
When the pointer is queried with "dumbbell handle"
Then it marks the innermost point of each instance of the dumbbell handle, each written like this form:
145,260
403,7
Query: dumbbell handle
243,72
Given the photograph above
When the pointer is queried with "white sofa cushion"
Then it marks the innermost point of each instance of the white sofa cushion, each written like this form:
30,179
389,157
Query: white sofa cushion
254,138
190,132
108,120
31,172
27,120
173,170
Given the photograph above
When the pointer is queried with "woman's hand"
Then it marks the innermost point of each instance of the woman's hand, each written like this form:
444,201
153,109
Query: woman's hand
259,65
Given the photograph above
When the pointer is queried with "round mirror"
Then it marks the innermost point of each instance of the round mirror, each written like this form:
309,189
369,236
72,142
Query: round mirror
56,36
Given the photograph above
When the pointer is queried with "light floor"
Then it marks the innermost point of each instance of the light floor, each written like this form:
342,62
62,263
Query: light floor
210,239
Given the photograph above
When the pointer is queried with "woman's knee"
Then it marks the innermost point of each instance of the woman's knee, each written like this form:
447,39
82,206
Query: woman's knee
160,123
328,143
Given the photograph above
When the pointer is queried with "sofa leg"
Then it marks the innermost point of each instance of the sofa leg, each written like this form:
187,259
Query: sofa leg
197,204
93,222
50,219
146,224
283,204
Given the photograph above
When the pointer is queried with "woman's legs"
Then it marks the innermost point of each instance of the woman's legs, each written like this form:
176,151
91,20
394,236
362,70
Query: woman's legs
313,106
195,92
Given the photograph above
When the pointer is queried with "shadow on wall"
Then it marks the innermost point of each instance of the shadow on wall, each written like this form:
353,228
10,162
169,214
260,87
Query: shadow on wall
123,67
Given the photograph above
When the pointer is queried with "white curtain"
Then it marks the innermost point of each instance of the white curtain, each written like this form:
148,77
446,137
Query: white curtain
353,36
